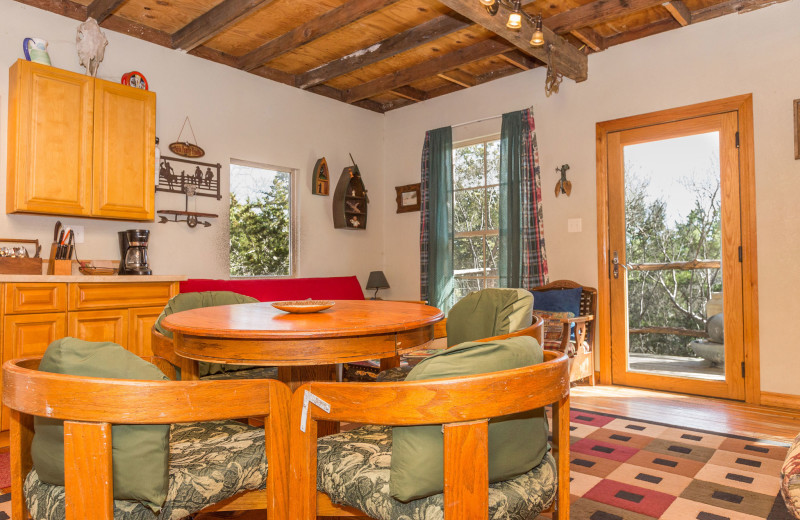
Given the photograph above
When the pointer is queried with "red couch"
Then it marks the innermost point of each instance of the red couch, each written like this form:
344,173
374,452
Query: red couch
278,289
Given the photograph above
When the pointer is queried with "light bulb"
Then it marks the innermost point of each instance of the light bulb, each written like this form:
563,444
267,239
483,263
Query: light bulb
487,3
537,39
514,21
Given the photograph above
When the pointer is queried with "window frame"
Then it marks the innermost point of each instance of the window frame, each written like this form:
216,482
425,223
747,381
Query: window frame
293,224
485,233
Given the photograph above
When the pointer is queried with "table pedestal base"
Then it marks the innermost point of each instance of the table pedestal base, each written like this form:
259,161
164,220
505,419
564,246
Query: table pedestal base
296,377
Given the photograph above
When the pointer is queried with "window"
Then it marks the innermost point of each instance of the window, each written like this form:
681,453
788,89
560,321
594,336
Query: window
261,220
476,198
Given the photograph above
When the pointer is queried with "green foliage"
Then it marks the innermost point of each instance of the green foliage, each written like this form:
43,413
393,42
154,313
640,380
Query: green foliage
261,230
670,298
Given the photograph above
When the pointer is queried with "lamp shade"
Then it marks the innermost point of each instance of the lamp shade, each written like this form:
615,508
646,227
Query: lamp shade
377,280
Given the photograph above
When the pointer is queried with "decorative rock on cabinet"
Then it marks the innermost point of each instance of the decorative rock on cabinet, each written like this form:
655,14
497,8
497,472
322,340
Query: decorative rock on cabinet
34,314
78,145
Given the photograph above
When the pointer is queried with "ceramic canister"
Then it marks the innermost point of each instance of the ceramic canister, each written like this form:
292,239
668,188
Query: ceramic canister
35,50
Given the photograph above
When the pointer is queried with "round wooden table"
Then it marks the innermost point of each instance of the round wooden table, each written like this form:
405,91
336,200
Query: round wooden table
304,347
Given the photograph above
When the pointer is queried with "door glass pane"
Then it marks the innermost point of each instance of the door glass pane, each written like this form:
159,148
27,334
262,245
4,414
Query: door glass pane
673,252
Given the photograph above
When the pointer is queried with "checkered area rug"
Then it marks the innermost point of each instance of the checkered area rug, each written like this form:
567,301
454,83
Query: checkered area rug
628,469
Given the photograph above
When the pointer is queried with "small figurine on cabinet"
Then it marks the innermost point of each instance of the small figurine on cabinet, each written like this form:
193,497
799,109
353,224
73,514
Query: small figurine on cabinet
354,222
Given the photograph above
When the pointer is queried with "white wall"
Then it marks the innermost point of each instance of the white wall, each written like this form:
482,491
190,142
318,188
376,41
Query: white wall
735,54
234,115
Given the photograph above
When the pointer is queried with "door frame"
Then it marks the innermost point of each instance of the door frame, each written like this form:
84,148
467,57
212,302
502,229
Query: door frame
743,106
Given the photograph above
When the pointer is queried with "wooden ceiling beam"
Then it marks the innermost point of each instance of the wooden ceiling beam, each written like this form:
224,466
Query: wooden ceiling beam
334,19
519,59
414,94
594,13
213,22
102,9
667,24
679,11
566,59
730,7
459,78
590,38
426,69
407,40
338,95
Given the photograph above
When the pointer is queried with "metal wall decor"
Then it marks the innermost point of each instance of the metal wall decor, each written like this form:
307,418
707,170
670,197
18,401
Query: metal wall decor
174,176
562,184
192,218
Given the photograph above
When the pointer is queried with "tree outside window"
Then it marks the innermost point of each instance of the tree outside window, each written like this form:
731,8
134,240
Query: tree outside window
476,196
260,221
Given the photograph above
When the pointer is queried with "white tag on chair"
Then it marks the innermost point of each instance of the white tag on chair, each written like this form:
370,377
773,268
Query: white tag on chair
308,397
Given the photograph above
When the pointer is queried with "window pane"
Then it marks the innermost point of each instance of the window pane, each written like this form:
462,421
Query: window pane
493,162
468,166
493,196
490,283
464,286
492,255
468,210
260,222
468,256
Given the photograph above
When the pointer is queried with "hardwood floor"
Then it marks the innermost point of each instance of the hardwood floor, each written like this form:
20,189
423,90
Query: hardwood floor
690,411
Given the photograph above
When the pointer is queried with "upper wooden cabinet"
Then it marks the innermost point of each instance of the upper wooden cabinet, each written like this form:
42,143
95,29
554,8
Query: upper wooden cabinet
78,145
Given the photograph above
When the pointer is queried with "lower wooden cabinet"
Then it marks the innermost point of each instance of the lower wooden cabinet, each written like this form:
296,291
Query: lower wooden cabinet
120,312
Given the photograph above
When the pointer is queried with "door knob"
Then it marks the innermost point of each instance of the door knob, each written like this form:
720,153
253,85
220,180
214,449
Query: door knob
617,264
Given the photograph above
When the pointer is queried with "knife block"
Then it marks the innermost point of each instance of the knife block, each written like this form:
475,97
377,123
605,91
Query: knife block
58,267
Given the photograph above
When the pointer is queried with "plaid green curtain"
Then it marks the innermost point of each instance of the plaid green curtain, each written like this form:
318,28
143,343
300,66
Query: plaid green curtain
436,219
523,259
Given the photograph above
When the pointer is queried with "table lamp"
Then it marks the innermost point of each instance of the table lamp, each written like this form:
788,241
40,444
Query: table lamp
377,281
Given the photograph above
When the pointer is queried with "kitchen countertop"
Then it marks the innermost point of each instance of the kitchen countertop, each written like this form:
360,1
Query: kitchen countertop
47,278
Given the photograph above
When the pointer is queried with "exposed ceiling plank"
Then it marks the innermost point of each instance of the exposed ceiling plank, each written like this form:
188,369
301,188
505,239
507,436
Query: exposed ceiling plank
210,24
311,30
595,12
444,90
275,75
338,95
426,32
592,40
426,69
566,59
414,94
729,7
66,8
459,78
397,103
102,9
519,59
496,74
226,59
667,24
679,11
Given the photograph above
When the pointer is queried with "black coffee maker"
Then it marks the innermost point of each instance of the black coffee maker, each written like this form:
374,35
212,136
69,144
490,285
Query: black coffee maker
133,251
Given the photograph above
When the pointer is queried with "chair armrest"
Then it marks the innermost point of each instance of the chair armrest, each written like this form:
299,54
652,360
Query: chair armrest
577,319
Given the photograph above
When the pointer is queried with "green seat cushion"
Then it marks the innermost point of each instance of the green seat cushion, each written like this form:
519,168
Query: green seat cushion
140,453
353,468
517,442
195,300
208,462
488,313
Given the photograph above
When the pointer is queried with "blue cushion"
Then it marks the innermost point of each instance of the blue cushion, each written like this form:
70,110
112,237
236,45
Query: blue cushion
558,300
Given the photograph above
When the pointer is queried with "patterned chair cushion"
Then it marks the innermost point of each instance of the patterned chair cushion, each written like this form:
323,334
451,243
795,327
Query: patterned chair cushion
353,469
790,478
208,462
553,328
394,374
250,373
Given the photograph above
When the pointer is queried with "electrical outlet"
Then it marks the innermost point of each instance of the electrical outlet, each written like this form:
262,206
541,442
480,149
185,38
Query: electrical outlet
78,230
574,225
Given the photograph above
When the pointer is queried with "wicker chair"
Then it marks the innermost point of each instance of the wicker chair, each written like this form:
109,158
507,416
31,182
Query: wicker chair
89,405
577,342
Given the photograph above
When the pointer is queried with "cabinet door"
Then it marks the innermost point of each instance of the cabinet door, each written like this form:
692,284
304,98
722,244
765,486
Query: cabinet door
140,324
28,335
124,152
49,140
109,325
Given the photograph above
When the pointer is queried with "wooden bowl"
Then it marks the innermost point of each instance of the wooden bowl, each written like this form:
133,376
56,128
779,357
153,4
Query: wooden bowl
303,306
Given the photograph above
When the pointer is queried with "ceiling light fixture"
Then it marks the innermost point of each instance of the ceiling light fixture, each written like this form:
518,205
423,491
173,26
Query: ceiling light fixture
516,17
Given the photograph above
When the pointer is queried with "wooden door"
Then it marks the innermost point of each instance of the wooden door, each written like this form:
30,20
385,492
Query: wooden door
26,335
124,152
140,324
728,381
110,325
49,140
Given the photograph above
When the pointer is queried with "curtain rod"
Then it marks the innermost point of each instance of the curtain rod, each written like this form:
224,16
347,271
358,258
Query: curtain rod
476,121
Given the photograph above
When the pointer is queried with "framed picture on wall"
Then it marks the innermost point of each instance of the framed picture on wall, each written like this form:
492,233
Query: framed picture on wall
407,198
796,128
